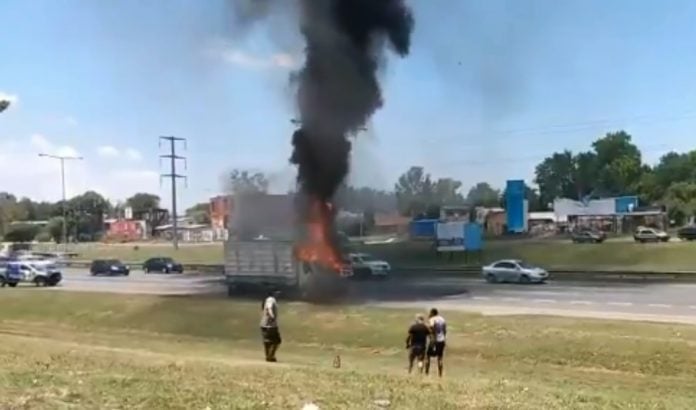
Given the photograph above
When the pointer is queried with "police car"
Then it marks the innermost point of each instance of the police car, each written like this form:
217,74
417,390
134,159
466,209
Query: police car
40,273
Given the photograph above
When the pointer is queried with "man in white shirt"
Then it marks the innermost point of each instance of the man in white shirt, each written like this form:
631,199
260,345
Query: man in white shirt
269,326
438,329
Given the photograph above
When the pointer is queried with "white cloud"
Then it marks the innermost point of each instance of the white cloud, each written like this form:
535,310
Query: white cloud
108,151
39,178
133,154
243,59
12,98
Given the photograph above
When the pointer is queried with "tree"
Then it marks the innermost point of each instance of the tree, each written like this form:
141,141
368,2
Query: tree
618,163
680,200
414,191
200,213
482,194
21,233
672,168
55,228
360,199
446,192
555,176
143,202
243,182
86,215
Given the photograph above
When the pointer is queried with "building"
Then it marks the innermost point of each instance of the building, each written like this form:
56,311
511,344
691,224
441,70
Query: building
391,223
615,215
220,208
125,230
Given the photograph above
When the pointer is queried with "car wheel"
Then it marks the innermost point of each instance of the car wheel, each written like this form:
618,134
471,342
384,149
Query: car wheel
165,270
2,282
490,278
12,284
524,279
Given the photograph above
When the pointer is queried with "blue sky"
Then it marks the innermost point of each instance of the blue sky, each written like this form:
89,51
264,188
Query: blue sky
489,89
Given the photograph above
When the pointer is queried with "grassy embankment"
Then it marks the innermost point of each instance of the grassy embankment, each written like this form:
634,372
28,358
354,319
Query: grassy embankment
552,254
65,350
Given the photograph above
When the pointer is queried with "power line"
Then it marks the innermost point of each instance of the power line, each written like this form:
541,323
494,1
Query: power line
173,176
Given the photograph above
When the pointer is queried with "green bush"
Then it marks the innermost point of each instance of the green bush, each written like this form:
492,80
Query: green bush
21,233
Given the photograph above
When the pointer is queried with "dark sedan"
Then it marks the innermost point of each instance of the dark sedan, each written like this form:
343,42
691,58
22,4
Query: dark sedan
588,237
108,267
163,265
687,233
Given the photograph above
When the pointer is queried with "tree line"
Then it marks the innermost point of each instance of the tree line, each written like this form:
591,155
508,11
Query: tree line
613,166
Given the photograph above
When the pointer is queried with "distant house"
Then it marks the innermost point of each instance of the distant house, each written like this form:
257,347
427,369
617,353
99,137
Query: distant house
391,223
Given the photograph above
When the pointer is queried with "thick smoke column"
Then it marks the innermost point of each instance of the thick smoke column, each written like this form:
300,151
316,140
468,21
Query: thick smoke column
338,89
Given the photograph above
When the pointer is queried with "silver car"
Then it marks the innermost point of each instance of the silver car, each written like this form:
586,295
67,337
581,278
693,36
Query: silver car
513,270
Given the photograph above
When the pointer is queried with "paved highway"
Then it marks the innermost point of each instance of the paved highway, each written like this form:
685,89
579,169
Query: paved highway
665,301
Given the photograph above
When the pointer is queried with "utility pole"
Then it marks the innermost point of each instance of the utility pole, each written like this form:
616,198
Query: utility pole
62,159
173,176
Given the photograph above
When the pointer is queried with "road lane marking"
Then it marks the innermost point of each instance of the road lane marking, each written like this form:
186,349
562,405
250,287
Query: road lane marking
543,300
580,302
511,299
481,298
620,303
659,305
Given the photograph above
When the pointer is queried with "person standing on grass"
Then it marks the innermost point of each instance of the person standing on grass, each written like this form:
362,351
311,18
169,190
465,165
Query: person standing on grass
438,335
416,343
269,326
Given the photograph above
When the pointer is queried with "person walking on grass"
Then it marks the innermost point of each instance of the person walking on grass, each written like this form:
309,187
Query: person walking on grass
269,326
416,343
438,336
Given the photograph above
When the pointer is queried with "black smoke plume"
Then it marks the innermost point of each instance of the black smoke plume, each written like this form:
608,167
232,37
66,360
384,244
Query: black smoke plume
338,87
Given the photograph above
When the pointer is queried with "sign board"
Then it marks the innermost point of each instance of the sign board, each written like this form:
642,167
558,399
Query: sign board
450,236
128,213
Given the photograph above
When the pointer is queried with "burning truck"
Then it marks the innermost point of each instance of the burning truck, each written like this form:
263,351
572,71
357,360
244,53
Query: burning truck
338,91
265,249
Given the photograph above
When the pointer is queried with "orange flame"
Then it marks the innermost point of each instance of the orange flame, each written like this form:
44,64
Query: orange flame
317,247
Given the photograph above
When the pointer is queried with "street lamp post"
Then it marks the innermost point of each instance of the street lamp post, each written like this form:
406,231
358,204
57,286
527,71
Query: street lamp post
62,159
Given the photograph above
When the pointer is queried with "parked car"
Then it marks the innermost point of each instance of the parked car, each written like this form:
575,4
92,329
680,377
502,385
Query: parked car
164,265
366,266
40,273
687,233
513,270
588,237
643,234
108,267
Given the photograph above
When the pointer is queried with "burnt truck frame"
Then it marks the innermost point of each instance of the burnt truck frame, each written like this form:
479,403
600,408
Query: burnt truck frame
263,264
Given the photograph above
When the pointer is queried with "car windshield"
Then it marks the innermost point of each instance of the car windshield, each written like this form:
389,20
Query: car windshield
167,260
367,258
525,265
113,262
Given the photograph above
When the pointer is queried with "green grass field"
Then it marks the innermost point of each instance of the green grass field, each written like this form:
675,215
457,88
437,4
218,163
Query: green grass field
78,350
552,254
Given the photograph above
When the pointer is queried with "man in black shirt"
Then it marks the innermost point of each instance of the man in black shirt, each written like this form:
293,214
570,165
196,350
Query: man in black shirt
416,342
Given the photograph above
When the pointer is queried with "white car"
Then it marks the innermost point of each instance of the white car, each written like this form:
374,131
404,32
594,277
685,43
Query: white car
513,270
40,273
365,265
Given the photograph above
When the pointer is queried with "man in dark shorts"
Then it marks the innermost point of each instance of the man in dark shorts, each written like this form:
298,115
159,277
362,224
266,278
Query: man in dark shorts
438,336
416,343
269,326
